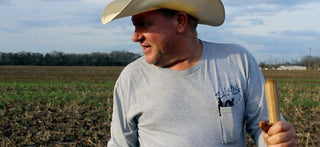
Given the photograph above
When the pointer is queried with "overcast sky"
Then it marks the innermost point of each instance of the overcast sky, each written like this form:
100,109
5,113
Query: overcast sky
281,30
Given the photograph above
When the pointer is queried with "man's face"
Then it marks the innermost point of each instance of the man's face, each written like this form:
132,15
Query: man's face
157,36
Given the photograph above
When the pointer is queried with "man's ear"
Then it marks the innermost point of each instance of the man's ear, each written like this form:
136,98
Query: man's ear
181,21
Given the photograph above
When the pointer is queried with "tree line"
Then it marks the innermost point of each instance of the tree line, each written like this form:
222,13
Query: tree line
115,58
310,62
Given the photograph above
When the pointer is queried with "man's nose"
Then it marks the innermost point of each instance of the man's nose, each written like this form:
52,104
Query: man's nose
137,36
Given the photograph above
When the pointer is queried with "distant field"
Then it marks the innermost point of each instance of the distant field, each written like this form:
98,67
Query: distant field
69,106
56,106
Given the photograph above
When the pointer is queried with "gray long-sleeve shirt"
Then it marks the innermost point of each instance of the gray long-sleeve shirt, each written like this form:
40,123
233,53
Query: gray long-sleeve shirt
204,106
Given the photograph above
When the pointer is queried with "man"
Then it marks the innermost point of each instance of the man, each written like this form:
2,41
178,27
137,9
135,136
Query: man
184,91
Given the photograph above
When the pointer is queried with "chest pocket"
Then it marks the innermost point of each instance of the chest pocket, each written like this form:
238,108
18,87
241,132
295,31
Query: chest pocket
231,122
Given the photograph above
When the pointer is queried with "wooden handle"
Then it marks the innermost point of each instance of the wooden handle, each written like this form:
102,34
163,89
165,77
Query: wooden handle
272,101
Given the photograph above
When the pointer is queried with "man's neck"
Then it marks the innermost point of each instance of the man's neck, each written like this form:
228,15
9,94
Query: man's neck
192,55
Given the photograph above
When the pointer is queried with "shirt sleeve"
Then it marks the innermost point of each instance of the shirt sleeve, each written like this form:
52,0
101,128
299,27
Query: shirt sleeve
256,105
124,132
256,109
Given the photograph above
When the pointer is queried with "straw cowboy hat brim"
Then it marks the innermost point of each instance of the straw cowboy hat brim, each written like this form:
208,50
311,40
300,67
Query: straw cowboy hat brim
209,12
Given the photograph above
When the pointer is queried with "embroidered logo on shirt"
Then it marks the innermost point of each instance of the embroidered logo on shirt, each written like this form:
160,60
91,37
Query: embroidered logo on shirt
228,96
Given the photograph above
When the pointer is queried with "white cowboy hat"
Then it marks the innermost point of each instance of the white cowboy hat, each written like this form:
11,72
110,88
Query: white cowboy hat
210,12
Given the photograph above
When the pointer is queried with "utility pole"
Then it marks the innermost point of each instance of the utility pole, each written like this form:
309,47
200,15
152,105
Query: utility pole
309,51
309,59
270,62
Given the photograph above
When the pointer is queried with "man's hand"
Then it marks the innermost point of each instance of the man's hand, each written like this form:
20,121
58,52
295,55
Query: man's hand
279,134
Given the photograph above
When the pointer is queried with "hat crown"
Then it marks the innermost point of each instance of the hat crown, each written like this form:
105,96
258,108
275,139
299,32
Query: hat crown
210,12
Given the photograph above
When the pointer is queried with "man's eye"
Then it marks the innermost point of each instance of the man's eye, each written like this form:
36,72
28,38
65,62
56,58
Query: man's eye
142,25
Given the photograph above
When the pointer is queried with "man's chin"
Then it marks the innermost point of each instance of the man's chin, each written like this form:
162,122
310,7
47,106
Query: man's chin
150,61
155,60
154,63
